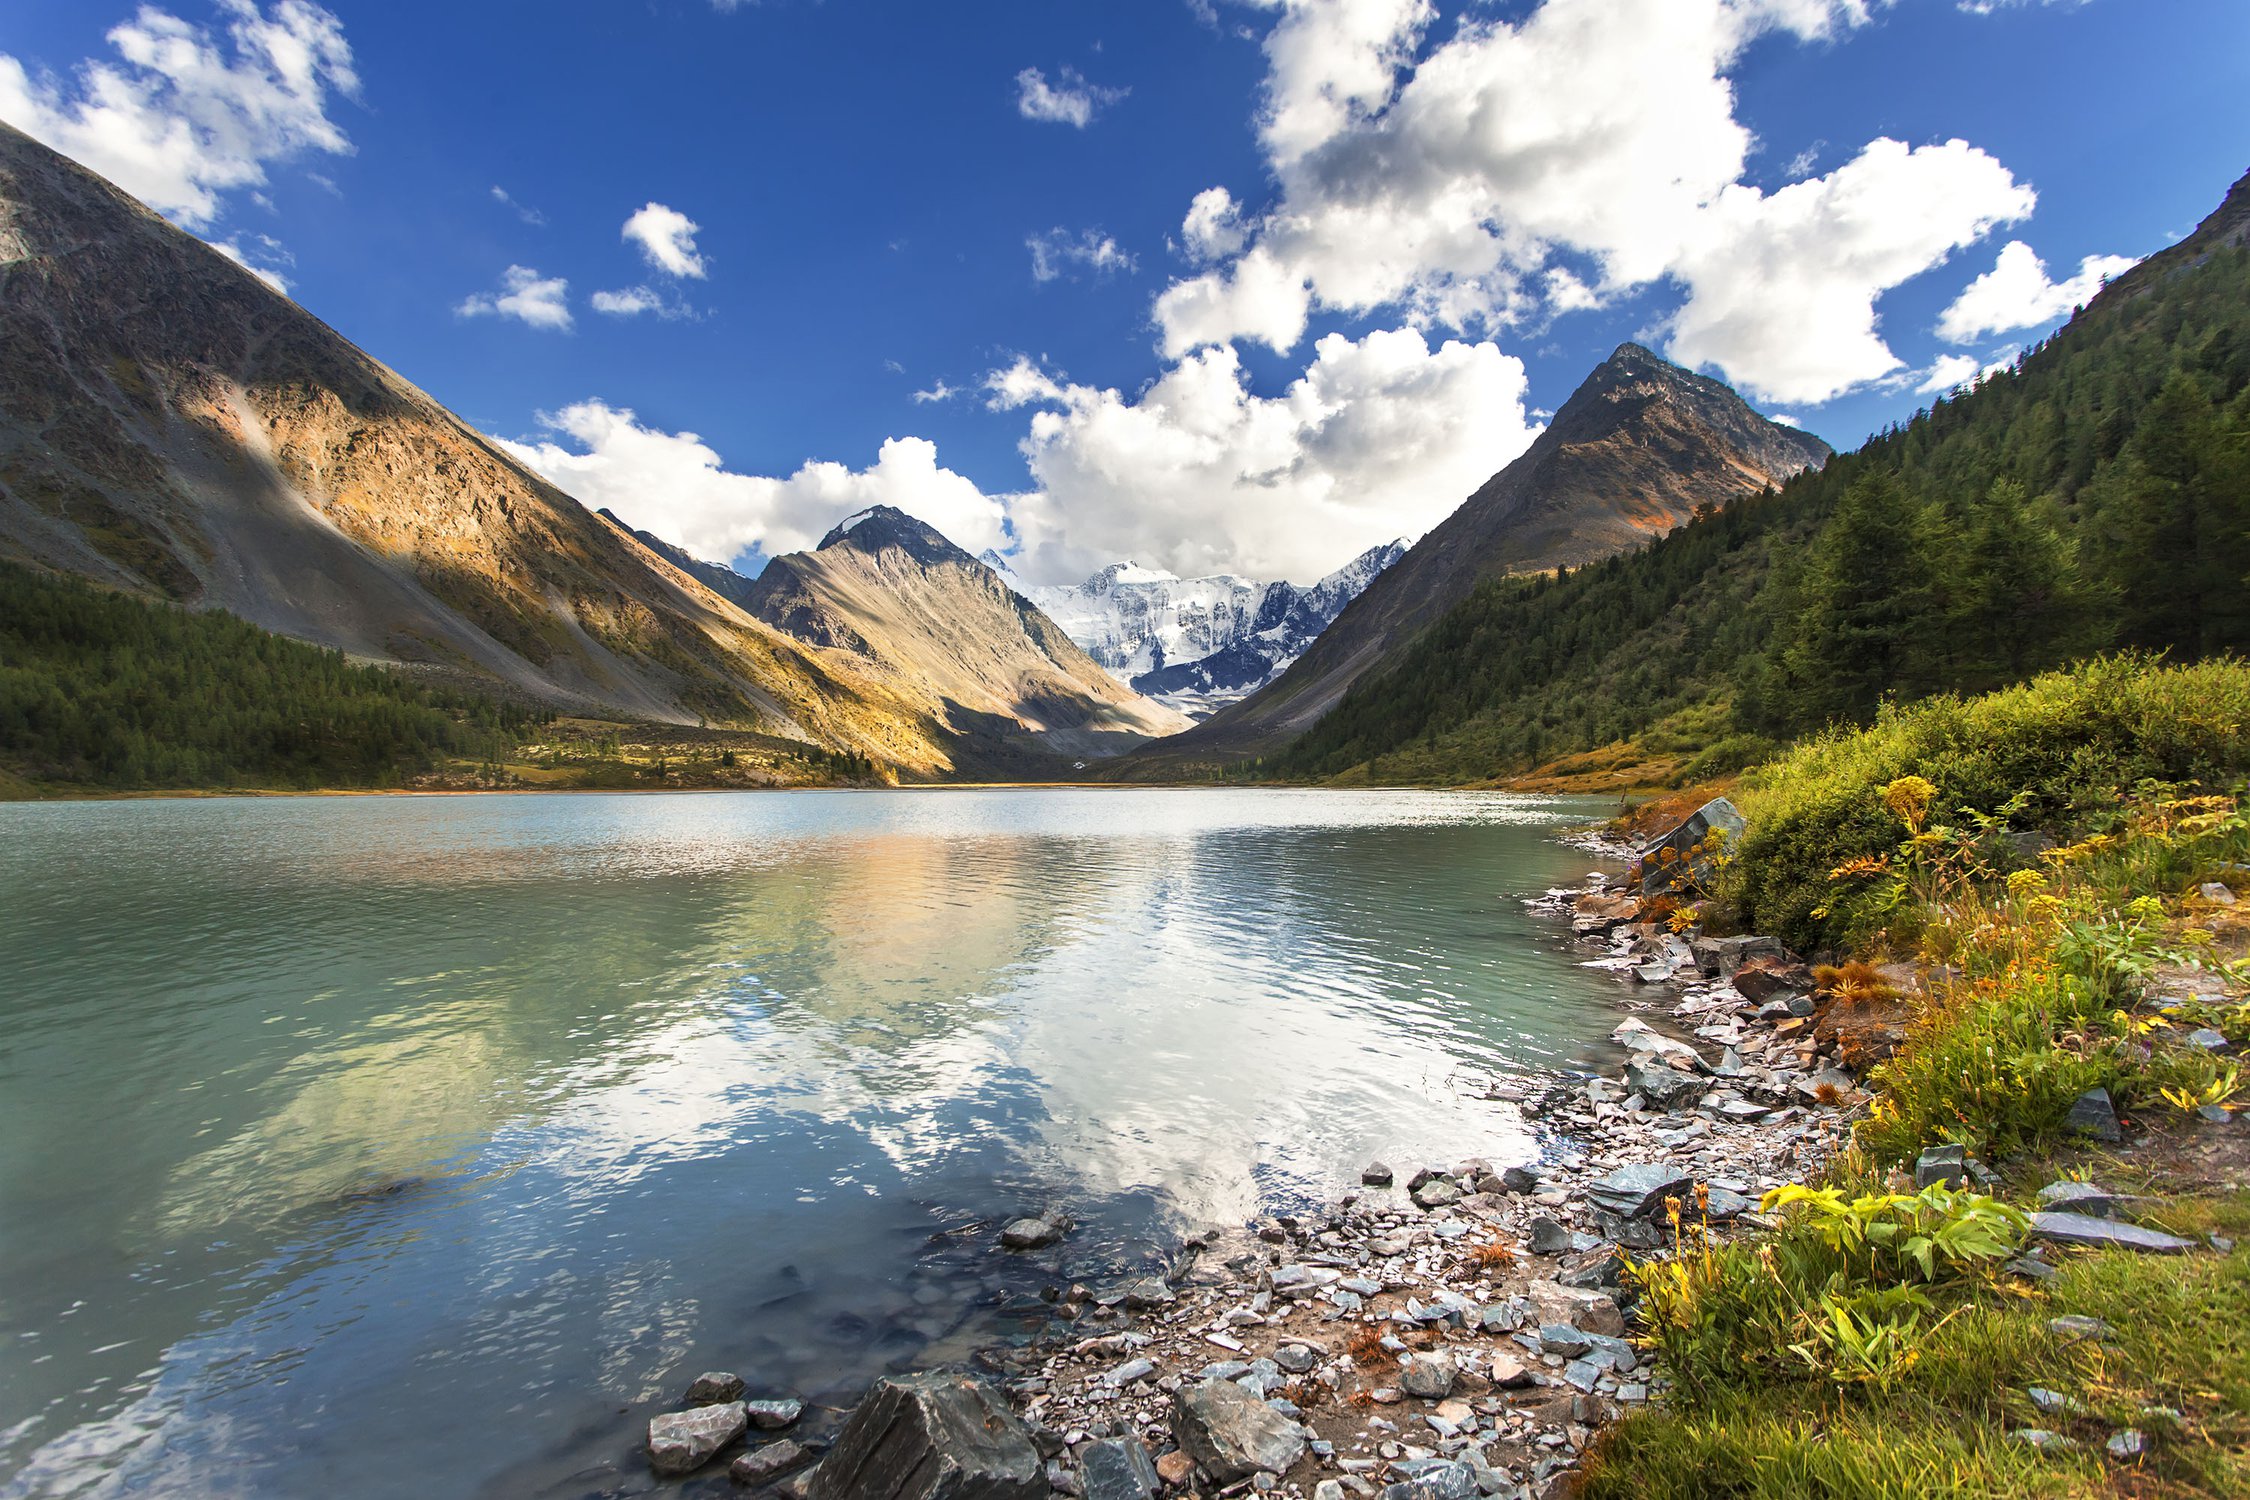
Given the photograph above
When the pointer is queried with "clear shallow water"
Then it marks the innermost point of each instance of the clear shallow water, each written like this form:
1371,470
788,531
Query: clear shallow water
412,1146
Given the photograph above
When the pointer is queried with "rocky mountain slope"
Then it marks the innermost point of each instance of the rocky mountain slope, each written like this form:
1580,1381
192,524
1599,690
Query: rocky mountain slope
171,425
947,633
1198,644
1637,450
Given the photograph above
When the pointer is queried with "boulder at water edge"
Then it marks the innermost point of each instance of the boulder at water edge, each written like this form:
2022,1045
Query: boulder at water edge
931,1437
680,1442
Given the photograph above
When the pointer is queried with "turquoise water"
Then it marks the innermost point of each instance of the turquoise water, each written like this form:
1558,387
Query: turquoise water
415,1146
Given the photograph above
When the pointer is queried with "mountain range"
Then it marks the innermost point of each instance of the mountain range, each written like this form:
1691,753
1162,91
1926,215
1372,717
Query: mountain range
1641,447
171,425
1198,644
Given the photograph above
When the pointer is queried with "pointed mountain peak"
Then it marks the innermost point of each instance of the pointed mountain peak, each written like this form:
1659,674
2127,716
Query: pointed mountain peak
1624,388
885,528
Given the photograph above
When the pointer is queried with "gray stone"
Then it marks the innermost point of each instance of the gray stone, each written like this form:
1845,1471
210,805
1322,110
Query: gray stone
2106,1234
1029,1234
766,1463
2053,1403
1442,1480
1639,1191
1549,1237
680,1442
1660,1084
1724,1204
2094,1115
1436,1193
1118,1469
1297,1359
1429,1376
2209,1040
714,1388
2217,892
1563,1339
1520,1179
1948,1165
931,1437
1661,874
2077,1198
2214,1114
1509,1374
2077,1328
1231,1433
772,1416
2043,1440
1375,1174
1128,1372
2127,1445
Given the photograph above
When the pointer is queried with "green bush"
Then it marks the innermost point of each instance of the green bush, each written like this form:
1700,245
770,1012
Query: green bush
2070,744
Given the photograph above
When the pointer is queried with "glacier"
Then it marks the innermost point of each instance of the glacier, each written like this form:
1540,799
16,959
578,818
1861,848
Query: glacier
1198,644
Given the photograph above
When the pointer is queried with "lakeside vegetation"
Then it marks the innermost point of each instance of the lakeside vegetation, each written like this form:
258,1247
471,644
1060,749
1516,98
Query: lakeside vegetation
2095,495
2059,861
106,693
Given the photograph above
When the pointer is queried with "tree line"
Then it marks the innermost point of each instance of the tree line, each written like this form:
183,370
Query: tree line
2094,495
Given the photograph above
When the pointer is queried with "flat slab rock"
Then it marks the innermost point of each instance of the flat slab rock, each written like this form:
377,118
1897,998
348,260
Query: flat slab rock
1231,1433
680,1442
1639,1191
2106,1234
931,1437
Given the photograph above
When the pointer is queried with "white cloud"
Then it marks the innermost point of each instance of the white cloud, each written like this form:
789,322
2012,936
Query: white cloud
1444,180
1213,228
632,301
939,392
263,260
541,301
1949,372
667,240
188,118
677,486
1782,288
1020,384
1056,251
523,211
2016,293
1380,437
1069,100
1988,7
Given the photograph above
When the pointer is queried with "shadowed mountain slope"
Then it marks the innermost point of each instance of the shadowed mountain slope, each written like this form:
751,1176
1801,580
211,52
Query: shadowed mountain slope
1639,448
171,425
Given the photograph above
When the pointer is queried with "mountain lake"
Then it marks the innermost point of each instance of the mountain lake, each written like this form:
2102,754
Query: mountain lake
426,1146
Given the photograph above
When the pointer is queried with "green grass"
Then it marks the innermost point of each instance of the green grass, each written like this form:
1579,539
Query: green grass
2181,1340
2069,745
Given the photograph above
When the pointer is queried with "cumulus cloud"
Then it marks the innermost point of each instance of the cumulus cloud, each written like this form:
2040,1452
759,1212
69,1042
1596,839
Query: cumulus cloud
1445,180
1069,100
1213,228
1782,289
263,258
2016,293
667,240
1949,372
525,295
1381,436
1055,253
188,117
677,486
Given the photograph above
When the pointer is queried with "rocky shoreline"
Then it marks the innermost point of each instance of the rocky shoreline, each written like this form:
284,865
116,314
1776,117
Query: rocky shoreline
1452,1330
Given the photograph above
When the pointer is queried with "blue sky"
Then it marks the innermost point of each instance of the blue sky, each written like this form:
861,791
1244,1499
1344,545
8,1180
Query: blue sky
1435,220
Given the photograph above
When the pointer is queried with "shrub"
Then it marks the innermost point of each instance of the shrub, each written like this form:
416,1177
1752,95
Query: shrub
2061,750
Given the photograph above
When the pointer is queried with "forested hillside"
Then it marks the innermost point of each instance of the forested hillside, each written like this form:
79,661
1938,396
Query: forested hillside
99,688
2096,495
